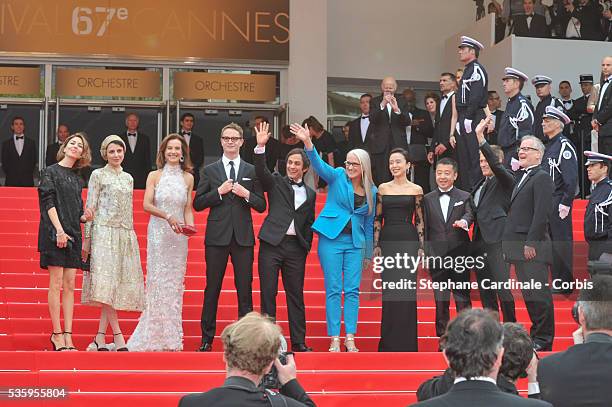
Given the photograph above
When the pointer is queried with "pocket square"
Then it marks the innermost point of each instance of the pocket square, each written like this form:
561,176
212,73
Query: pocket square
246,179
458,203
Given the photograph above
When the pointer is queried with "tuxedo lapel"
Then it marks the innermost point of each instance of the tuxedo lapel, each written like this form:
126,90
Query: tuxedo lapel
438,207
522,185
288,192
451,206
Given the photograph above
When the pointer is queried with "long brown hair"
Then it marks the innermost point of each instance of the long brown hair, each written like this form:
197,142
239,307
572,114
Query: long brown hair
85,159
161,159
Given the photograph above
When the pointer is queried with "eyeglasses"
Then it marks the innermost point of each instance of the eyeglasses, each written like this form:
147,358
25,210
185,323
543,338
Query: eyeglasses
232,139
348,164
526,149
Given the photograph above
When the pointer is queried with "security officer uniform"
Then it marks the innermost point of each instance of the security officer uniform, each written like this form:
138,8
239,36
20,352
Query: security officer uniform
562,165
598,215
550,100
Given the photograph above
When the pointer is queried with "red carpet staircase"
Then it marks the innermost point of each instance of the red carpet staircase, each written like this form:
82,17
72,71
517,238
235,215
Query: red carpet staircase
159,379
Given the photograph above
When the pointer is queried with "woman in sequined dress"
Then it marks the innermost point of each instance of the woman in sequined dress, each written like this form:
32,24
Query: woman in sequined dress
115,280
168,200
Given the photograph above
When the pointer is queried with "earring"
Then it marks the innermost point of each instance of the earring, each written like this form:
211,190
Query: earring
182,159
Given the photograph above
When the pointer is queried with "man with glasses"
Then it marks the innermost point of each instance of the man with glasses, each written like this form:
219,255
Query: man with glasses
229,187
525,239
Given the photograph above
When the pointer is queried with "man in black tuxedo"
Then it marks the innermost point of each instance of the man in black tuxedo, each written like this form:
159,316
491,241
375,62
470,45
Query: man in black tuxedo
526,243
19,156
578,376
272,150
229,187
530,24
137,160
588,15
491,201
417,132
473,348
195,143
602,116
443,141
285,236
52,149
388,120
359,128
448,216
494,104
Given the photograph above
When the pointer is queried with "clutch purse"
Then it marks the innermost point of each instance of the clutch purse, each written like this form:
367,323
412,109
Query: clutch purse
189,230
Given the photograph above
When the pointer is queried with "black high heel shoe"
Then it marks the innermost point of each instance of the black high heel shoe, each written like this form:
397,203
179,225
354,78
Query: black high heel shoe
55,348
122,349
68,347
98,347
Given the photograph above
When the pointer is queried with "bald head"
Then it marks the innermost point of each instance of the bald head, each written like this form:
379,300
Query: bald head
606,66
388,85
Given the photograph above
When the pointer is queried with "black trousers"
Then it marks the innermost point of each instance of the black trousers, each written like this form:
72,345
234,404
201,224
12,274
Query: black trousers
380,167
539,303
495,270
442,297
561,234
604,144
216,262
290,258
468,156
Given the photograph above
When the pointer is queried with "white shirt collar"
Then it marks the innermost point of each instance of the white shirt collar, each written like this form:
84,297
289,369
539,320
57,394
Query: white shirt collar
481,378
226,161
450,189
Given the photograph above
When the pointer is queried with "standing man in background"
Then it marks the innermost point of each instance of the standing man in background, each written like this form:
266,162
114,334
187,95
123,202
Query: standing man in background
543,90
137,160
360,127
602,116
52,149
19,156
195,143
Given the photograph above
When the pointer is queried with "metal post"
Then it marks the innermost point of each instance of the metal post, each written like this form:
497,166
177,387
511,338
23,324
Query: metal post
42,140
167,118
178,115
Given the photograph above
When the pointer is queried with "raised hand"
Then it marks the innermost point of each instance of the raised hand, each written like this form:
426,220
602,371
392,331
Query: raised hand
300,132
240,191
263,134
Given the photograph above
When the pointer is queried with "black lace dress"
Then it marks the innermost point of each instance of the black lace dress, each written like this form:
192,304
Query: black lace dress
60,188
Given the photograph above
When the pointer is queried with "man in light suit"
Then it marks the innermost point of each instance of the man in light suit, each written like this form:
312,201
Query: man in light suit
195,143
19,156
602,116
285,236
448,216
526,243
359,128
229,187
137,160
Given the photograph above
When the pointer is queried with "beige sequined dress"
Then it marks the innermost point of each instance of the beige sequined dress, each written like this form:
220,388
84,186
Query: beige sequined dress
116,273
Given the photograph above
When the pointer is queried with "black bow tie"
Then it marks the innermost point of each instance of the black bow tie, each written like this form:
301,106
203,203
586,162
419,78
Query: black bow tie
444,192
19,137
186,133
444,97
529,15
131,134
299,184
365,117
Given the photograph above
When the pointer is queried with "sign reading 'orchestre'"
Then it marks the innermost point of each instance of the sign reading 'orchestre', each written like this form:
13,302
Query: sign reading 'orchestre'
19,81
202,85
102,82
202,29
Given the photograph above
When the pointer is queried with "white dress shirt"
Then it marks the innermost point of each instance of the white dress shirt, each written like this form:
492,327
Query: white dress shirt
444,202
602,92
187,136
228,167
365,123
527,171
299,198
19,143
481,378
409,130
132,140
444,101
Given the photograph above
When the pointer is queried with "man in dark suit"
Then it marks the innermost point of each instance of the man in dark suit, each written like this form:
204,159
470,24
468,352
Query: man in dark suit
229,187
494,104
582,118
285,236
19,156
587,14
272,150
530,24
388,120
53,148
359,128
473,349
526,243
250,349
602,116
443,140
137,160
195,143
578,376
491,201
416,135
448,216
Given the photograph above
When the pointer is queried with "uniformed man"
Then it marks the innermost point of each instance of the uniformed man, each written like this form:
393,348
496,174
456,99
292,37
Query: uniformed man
471,101
581,136
598,215
562,165
517,120
542,86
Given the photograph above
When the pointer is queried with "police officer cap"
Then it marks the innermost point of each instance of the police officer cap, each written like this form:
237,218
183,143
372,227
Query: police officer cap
586,78
593,158
511,73
541,80
470,42
555,113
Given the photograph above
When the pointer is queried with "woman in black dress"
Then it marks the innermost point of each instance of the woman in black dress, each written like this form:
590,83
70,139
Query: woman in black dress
59,232
396,233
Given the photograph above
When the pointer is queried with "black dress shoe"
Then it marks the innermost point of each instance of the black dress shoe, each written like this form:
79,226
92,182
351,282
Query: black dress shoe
205,347
301,347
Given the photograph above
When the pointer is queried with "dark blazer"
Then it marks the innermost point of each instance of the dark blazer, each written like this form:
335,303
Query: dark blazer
19,169
355,137
527,221
538,28
442,128
479,393
137,163
196,153
604,114
589,17
387,133
422,127
494,203
281,198
272,152
492,137
238,391
578,376
229,215
51,153
441,237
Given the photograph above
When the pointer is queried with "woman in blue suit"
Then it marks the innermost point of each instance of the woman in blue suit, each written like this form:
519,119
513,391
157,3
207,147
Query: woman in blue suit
346,232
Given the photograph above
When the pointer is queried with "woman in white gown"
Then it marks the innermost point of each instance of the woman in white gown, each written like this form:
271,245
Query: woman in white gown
168,200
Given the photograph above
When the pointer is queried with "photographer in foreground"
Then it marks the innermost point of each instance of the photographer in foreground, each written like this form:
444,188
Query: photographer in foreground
250,348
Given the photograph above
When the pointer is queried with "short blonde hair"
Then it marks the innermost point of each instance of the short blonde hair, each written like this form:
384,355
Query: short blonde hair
85,159
232,126
251,343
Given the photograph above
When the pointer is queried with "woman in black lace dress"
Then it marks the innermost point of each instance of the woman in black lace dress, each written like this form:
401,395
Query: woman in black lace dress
59,232
395,232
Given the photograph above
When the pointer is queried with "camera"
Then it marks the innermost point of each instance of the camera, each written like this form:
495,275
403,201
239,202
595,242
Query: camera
575,313
270,380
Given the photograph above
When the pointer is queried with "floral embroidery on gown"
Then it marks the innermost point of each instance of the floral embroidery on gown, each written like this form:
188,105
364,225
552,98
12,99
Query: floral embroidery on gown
160,327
